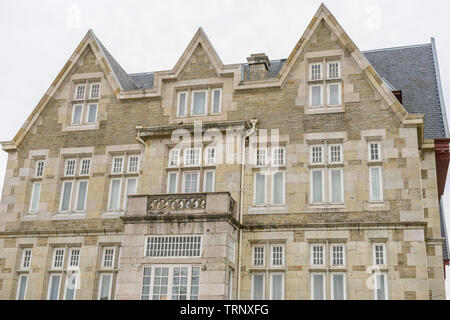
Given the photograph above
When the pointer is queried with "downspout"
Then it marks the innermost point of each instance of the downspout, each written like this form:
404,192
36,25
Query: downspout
247,134
138,137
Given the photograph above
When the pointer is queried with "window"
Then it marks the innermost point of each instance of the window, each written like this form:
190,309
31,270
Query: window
117,165
66,196
317,186
133,164
58,258
191,182
317,255
81,195
91,116
199,102
338,287
54,286
209,177
172,182
80,90
22,287
336,186
374,151
70,167
173,246
217,101
278,188
95,91
315,71
131,188
85,167
210,156
337,255
380,286
379,254
278,156
316,155
74,258
334,94
258,280
174,158
260,189
182,98
70,287
104,292
258,256
315,95
318,286
334,70
276,286
376,190
108,257
77,114
277,255
335,153
26,259
39,170
192,156
261,157
35,195
114,194
170,282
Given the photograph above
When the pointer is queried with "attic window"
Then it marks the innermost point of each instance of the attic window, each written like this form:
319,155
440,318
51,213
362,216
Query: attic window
80,91
316,71
333,70
95,91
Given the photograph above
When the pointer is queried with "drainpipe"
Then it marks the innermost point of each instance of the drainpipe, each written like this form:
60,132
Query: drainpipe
247,134
138,137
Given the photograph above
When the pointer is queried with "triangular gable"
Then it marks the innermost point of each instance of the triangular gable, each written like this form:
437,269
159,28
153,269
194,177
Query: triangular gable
201,38
102,57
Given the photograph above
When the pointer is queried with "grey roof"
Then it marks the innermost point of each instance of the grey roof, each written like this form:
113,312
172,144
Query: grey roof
143,80
274,69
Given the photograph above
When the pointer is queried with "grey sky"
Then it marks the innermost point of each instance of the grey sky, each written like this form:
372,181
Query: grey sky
39,36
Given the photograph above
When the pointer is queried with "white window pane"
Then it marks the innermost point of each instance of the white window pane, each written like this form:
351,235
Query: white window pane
92,114
105,287
70,167
82,192
334,98
277,286
117,165
85,167
278,188
199,103
336,186
66,193
22,287
77,111
316,71
71,282
338,287
191,182
316,96
131,189
182,104
258,287
317,182
133,164
209,181
95,90
35,197
260,189
318,284
79,91
333,70
55,281
216,101
114,195
380,287
376,184
39,172
172,183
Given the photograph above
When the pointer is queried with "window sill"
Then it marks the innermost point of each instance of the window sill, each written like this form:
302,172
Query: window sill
69,216
320,207
112,214
266,209
30,217
377,206
323,109
269,269
82,127
375,163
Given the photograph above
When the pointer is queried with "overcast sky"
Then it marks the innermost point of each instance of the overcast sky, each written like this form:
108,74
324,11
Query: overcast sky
39,36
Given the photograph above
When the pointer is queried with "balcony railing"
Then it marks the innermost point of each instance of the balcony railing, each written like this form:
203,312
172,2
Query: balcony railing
180,203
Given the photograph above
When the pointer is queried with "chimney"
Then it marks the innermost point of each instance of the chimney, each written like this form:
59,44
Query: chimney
258,64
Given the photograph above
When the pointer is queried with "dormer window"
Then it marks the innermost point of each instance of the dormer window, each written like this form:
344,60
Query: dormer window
199,102
182,102
217,101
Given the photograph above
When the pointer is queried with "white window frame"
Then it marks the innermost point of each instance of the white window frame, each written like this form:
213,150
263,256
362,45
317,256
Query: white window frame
311,188
265,159
332,246
112,164
324,276
321,146
78,193
54,258
339,94
283,193
323,254
207,158
332,284
263,287
328,69
273,162
192,249
185,157
173,151
263,253
311,73
81,167
185,103
129,163
125,193
90,90
369,157
265,189
374,258
76,92
213,180
33,190
311,95
25,275
36,171
50,285
272,265
381,185
220,100
102,275
71,253
341,153
68,276
271,274
74,167
109,196
72,182
192,102
386,290
22,263
88,107
176,181
330,185
184,181
73,114
104,256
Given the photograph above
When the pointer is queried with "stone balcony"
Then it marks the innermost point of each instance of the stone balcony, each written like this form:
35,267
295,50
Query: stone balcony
185,204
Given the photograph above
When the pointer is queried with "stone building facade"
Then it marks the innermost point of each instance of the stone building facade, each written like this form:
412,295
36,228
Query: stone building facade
299,178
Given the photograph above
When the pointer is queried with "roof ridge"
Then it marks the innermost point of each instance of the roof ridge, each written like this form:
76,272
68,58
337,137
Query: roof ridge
398,48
